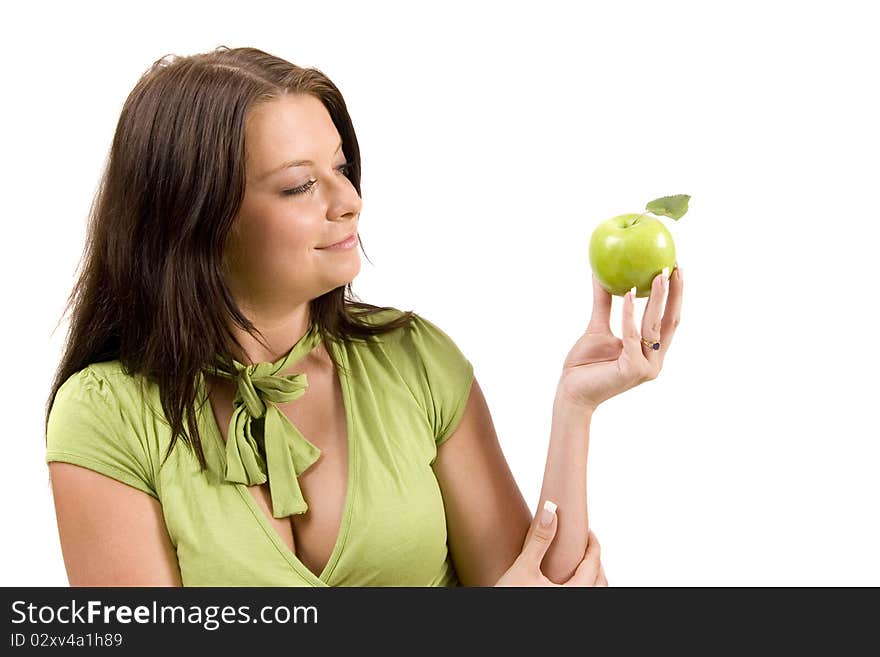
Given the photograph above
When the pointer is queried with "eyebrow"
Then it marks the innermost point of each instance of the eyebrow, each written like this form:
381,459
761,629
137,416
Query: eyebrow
293,163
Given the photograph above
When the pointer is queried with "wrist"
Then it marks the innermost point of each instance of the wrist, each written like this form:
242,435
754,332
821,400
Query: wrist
564,404
569,403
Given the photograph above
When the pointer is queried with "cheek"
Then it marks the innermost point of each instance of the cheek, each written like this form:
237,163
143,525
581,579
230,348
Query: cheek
271,240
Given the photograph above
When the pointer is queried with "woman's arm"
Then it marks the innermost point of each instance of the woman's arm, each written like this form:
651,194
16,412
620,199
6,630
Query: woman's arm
565,482
111,534
486,516
488,520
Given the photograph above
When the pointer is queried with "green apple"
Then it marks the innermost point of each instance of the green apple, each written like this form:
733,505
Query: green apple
630,250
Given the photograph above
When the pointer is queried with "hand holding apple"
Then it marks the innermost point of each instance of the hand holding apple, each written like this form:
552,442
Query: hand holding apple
600,365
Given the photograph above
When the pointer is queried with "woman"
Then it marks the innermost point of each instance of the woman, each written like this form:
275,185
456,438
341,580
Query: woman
325,441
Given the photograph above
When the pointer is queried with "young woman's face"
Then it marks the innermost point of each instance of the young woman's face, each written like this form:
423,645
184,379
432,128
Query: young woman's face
274,252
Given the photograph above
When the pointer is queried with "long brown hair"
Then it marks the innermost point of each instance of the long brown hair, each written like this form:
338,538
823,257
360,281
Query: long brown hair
151,290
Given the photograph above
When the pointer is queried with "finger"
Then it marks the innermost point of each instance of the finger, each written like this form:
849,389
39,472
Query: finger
651,319
542,535
601,318
672,314
602,580
588,570
632,345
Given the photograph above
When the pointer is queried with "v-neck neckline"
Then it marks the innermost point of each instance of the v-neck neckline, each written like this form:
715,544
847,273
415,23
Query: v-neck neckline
351,483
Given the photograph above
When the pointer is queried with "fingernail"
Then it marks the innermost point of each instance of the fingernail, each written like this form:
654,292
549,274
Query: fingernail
665,274
632,294
548,513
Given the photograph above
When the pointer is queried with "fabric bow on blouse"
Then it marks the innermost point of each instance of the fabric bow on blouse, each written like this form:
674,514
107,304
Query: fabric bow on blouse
281,453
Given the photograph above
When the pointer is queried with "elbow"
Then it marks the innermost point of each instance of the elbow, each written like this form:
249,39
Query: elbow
560,565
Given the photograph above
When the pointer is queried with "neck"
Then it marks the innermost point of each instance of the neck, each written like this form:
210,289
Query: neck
279,331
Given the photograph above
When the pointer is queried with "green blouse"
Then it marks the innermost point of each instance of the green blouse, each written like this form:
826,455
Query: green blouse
404,394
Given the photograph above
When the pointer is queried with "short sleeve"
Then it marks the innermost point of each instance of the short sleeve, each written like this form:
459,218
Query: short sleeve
447,377
90,427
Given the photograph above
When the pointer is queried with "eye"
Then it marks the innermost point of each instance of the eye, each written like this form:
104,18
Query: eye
309,186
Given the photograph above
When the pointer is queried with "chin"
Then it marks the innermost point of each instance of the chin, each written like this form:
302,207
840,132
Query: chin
340,282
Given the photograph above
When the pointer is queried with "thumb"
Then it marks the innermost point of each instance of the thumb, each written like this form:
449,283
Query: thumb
543,532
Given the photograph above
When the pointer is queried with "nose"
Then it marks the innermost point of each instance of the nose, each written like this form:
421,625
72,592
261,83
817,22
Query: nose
347,203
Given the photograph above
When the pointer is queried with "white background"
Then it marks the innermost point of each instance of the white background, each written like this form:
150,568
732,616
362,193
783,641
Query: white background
494,137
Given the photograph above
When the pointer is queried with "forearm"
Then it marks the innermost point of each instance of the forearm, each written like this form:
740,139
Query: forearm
565,482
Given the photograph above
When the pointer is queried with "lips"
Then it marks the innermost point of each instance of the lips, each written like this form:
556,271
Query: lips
344,239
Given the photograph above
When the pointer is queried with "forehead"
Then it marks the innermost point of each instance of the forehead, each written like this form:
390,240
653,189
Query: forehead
287,128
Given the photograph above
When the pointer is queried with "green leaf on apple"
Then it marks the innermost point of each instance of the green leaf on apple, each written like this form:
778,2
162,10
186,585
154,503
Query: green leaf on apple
669,206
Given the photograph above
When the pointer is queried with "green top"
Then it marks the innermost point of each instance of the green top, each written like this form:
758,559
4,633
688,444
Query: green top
404,394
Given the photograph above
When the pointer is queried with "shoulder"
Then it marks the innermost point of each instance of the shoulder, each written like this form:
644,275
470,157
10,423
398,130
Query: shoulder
415,336
97,421
432,345
422,353
102,392
434,368
106,382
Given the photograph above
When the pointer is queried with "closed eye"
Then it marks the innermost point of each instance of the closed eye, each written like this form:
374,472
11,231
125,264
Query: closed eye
309,186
